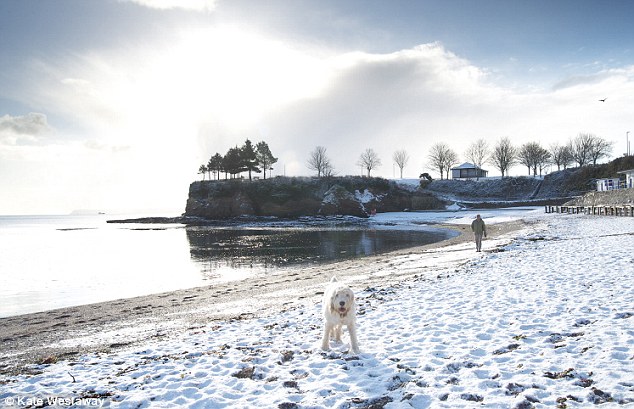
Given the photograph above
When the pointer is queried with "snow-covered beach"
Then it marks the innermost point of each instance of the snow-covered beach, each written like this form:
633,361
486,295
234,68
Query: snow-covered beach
542,318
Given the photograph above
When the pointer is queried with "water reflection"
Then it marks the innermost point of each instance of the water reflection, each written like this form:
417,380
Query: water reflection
219,249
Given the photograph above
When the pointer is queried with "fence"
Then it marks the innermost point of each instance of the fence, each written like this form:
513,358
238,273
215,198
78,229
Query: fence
611,210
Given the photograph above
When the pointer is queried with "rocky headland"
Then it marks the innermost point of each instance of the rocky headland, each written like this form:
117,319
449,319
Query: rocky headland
292,197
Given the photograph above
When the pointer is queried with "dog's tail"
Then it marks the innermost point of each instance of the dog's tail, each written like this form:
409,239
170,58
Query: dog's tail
333,279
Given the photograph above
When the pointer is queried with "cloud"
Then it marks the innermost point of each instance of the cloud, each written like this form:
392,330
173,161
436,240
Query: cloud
597,78
99,146
29,124
157,97
23,130
194,5
200,76
416,97
406,99
581,80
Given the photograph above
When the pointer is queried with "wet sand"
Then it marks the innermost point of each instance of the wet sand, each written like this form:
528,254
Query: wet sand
53,335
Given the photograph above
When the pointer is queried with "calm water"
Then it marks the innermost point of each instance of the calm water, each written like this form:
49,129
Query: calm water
266,248
49,262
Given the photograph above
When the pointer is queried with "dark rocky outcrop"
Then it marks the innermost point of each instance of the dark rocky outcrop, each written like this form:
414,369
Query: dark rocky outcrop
302,196
338,200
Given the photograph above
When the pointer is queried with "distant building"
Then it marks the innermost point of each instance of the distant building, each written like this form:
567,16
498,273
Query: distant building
468,171
629,178
603,185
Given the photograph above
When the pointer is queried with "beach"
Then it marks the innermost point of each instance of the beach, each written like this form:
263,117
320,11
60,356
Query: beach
542,317
32,338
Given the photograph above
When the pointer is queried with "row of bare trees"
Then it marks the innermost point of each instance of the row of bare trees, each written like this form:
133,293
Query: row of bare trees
584,149
319,161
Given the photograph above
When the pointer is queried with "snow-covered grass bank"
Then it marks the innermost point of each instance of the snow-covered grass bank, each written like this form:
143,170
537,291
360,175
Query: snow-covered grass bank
546,321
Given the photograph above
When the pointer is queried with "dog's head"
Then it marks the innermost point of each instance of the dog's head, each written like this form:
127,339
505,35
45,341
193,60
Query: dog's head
342,300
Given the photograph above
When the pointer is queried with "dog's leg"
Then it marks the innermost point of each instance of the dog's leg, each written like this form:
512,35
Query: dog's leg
337,332
325,341
354,343
333,332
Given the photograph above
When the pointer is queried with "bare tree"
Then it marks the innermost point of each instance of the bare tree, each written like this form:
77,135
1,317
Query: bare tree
525,155
533,156
561,155
442,157
401,158
543,160
369,160
478,153
504,155
328,171
581,148
600,149
320,162
452,159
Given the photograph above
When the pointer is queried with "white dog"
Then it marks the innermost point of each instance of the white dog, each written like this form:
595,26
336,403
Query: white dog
339,310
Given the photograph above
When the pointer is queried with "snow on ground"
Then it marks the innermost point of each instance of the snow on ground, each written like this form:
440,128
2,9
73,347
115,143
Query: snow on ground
544,321
456,216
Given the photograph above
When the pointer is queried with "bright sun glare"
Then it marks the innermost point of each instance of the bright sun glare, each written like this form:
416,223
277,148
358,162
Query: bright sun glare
231,75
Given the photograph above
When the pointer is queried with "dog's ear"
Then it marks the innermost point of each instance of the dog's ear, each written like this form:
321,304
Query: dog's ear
331,302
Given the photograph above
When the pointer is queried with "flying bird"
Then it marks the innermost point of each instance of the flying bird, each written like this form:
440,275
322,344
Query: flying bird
603,100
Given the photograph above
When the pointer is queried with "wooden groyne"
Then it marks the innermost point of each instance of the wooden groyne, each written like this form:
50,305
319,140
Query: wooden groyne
607,210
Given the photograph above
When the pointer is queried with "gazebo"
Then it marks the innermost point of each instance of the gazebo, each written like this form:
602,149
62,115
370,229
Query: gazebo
468,171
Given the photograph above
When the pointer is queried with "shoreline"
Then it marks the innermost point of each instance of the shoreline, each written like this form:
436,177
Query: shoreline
60,334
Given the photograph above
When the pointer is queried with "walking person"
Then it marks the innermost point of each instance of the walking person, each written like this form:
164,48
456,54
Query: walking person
479,229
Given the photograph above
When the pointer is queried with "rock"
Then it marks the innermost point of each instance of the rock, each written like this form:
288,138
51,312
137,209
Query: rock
297,197
242,205
338,201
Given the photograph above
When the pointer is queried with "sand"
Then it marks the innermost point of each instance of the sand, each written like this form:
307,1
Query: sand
60,334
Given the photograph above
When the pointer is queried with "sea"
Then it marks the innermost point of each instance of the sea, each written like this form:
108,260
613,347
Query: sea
49,262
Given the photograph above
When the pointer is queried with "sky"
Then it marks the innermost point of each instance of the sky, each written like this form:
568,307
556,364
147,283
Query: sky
113,105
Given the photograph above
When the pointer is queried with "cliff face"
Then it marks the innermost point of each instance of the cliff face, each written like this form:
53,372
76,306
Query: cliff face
295,197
